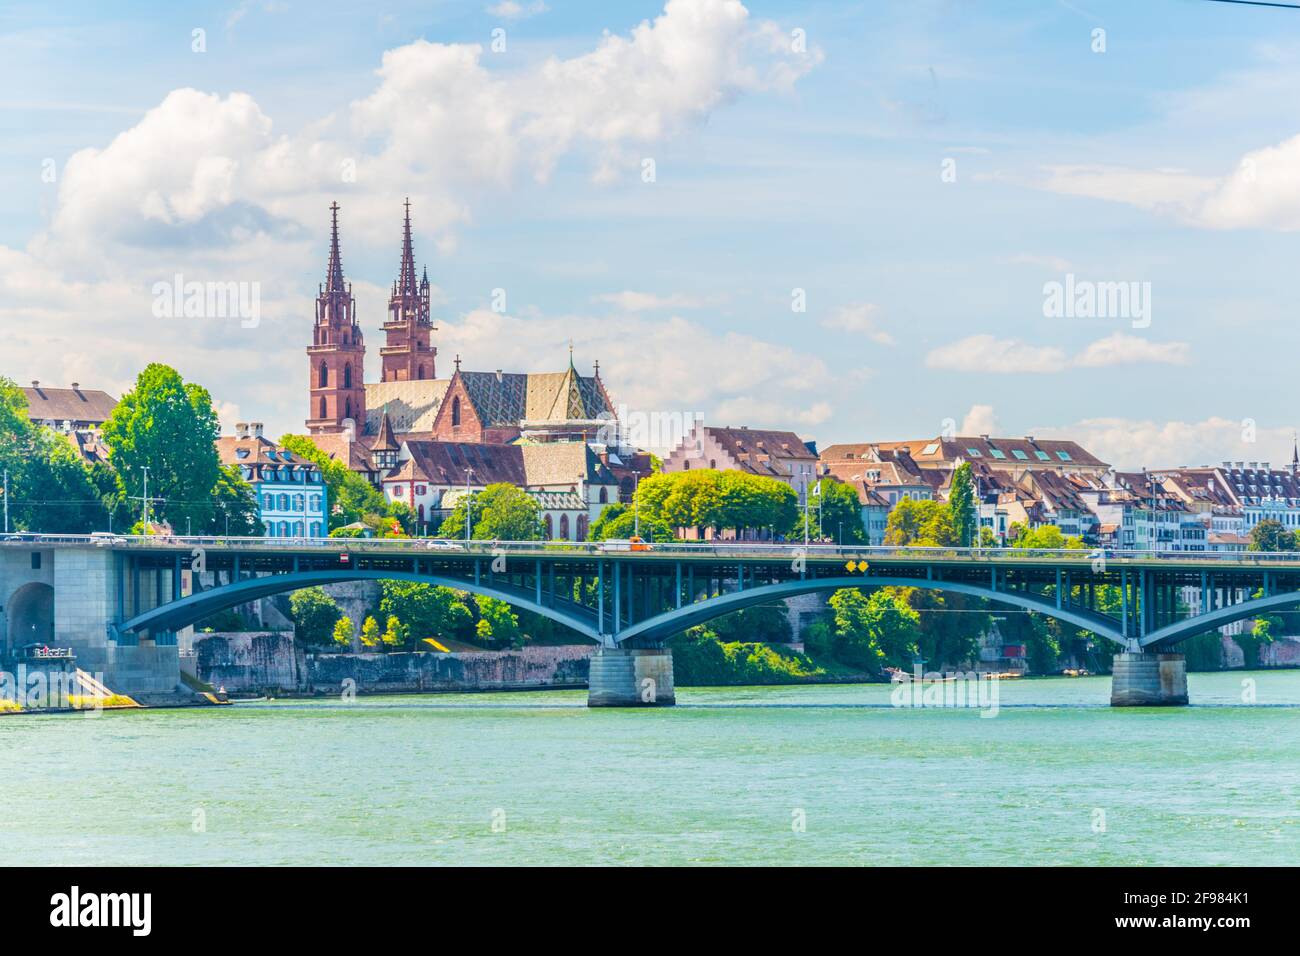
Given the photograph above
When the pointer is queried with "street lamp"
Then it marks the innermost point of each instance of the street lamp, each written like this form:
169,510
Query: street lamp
469,504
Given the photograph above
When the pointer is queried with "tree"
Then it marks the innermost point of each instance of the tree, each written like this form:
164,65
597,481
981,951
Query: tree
500,512
428,610
924,523
961,501
619,521
370,632
497,623
344,632
836,511
167,426
236,510
1046,537
1270,535
315,615
396,633
870,632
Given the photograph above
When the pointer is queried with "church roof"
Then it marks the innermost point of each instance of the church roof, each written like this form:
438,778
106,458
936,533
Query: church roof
385,440
448,463
412,405
508,398
561,463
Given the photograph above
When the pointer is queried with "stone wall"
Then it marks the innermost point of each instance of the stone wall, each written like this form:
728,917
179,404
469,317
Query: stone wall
414,672
248,661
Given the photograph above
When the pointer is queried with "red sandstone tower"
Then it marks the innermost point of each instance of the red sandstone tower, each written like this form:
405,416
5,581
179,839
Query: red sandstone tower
337,355
407,354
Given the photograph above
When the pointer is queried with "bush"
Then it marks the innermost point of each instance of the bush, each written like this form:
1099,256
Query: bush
700,659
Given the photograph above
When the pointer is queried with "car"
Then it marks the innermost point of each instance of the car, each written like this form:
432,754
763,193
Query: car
444,544
634,543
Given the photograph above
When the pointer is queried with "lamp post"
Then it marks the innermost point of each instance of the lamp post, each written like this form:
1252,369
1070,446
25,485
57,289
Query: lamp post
469,504
6,501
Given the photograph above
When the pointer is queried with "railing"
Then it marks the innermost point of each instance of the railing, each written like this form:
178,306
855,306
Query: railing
727,549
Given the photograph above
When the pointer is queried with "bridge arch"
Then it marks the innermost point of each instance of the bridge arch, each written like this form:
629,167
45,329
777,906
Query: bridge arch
30,611
190,610
664,625
1179,631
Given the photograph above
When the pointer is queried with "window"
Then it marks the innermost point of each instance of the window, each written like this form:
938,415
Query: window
582,527
1019,454
322,407
284,529
420,511
974,452
1063,455
421,490
324,383
455,411
297,529
284,502
420,372
268,502
997,454
564,527
315,503
397,490
931,448
1042,455
604,495
548,527
36,560
299,503
347,375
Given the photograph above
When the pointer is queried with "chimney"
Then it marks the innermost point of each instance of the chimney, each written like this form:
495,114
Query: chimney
255,430
1029,438
499,375
241,429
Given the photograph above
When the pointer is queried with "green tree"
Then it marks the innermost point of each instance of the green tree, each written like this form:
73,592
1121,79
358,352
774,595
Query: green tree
1045,537
961,501
167,426
500,512
835,511
619,521
314,615
236,505
343,633
497,624
870,632
924,523
1270,535
428,610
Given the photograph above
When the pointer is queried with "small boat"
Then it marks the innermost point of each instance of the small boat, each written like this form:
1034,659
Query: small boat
248,700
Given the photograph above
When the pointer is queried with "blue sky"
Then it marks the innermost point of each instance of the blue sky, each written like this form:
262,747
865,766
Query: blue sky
1164,159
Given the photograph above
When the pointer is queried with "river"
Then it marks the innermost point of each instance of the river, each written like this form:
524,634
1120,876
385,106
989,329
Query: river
779,775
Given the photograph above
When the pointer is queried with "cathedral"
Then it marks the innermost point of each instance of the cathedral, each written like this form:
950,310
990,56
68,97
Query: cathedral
376,427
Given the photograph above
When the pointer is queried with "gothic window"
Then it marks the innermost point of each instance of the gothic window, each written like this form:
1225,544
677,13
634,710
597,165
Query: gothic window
348,409
322,406
455,411
582,527
420,372
324,376
564,527
347,375
550,531
604,495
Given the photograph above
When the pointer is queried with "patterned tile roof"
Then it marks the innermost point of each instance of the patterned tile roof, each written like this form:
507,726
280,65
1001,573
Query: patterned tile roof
508,398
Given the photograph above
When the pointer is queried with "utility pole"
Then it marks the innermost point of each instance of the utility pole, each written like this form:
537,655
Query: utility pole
6,501
145,499
636,513
806,517
469,504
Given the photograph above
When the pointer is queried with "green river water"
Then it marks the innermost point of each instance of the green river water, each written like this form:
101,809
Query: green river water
727,776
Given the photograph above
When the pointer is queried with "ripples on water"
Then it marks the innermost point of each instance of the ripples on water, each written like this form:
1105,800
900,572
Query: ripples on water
726,776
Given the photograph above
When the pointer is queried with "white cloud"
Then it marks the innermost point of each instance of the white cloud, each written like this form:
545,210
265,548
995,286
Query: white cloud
980,420
650,365
1261,192
1121,349
987,353
1129,444
859,319
512,10
204,186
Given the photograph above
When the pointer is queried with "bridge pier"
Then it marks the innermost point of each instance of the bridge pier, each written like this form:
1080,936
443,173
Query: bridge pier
631,677
1147,679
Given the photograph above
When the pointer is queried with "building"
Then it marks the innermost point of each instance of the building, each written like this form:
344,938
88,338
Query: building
364,425
292,499
569,481
773,454
69,410
999,454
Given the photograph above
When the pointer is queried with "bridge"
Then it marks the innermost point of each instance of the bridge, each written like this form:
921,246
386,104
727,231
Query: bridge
137,592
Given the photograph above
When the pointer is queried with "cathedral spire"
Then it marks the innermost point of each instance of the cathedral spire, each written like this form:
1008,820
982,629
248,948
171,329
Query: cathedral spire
406,284
334,271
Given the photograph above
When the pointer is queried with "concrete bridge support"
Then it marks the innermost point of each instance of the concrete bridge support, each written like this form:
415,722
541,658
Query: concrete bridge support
1147,679
631,677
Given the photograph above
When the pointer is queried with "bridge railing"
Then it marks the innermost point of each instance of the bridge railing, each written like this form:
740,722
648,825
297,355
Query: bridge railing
784,550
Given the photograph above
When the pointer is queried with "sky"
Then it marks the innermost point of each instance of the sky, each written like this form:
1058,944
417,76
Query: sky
844,219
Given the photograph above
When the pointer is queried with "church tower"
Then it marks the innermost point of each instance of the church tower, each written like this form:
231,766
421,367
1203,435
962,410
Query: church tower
337,355
407,354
